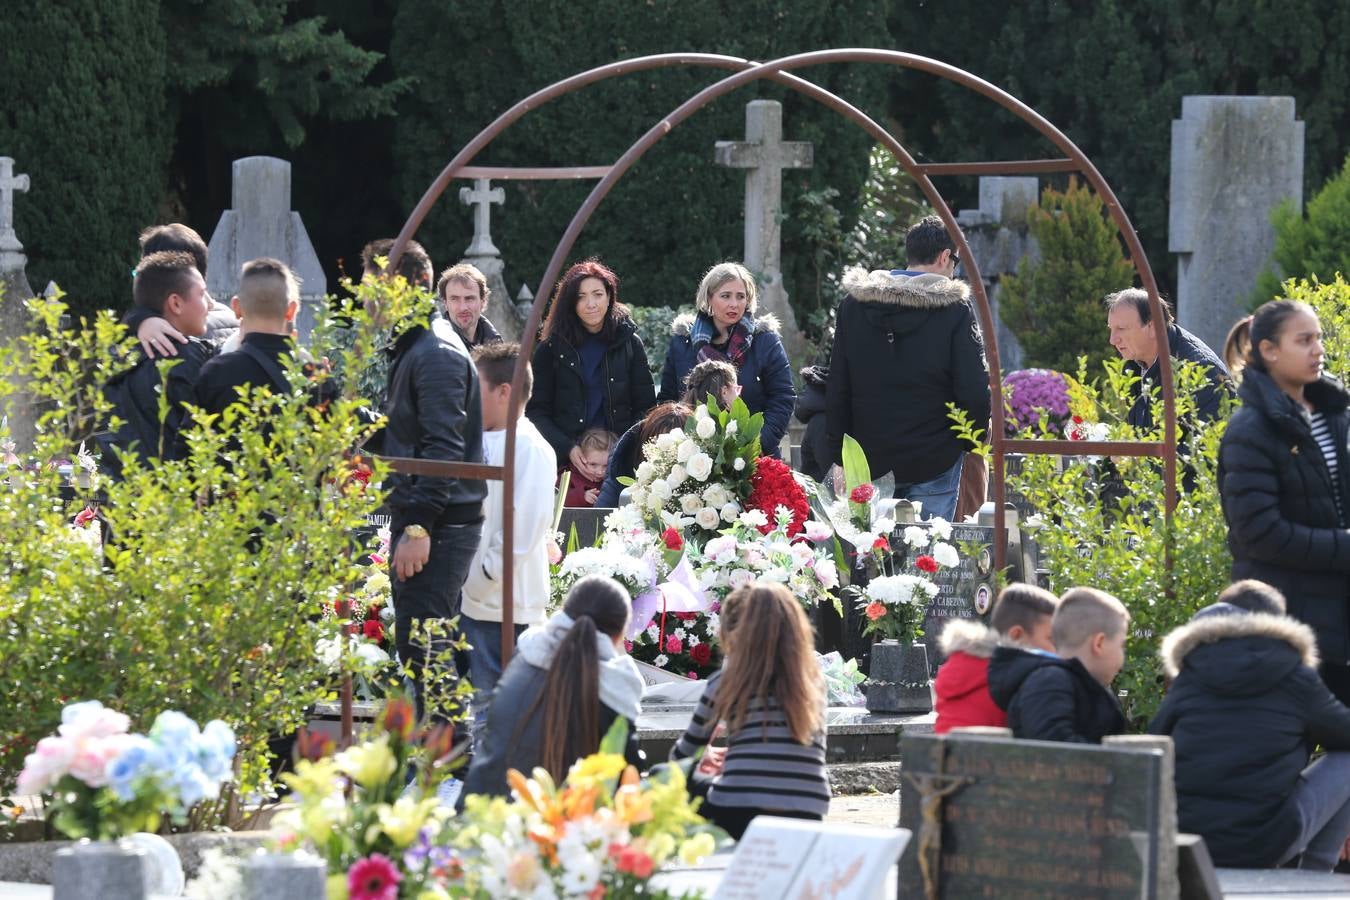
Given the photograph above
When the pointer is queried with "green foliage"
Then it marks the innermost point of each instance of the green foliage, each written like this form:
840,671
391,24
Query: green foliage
1054,305
676,213
653,325
1313,246
208,596
1331,301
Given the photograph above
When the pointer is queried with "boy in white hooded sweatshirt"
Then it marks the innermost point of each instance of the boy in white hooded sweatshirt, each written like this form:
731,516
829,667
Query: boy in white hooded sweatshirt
535,465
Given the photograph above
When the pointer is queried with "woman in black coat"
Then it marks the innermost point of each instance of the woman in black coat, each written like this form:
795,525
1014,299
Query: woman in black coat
590,369
1284,478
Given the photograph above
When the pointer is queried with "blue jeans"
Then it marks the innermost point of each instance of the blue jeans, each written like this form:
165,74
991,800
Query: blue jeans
1322,796
938,495
485,662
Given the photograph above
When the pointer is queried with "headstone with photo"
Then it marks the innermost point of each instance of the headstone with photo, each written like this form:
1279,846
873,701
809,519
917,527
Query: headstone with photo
261,222
1042,821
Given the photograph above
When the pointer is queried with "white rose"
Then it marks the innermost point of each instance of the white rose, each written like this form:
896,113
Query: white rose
700,466
645,471
916,536
739,577
701,411
686,450
754,518
661,489
665,441
739,464
714,495
707,518
946,555
729,512
655,502
677,476
706,428
690,504
731,427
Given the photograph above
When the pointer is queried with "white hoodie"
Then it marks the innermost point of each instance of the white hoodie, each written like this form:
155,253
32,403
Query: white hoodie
536,471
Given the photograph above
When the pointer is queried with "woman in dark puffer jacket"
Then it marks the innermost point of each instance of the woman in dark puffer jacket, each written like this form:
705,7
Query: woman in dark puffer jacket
1284,478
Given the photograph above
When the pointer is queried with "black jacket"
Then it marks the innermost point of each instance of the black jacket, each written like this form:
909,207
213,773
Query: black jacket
511,741
1277,497
1182,346
1244,710
558,405
623,461
484,333
217,385
905,346
765,376
434,412
221,322
810,411
1052,699
135,393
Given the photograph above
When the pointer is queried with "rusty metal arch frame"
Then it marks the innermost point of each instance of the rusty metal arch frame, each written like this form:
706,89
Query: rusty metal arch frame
779,71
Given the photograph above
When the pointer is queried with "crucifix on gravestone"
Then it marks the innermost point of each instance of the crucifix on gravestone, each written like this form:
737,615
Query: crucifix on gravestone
9,183
481,197
764,155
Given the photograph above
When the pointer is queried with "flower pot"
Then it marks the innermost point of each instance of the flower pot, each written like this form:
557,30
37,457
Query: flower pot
109,870
898,679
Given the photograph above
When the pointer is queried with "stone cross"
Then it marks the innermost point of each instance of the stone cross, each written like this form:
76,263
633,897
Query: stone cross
764,155
481,196
9,183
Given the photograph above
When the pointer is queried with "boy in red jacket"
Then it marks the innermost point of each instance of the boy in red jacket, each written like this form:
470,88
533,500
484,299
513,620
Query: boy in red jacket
1021,618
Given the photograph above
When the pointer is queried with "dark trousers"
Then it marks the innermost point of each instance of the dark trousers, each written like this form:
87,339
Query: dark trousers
432,596
733,819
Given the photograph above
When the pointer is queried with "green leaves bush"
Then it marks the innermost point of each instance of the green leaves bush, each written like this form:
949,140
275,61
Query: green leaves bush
1315,245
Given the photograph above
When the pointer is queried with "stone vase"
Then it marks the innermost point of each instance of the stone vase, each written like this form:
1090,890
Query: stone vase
284,876
898,680
108,870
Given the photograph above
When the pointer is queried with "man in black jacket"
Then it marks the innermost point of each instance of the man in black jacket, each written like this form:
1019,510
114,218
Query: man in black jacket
906,344
1246,706
169,285
463,292
433,410
1131,322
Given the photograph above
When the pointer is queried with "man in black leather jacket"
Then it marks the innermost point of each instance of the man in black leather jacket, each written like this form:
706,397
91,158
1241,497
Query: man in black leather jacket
433,412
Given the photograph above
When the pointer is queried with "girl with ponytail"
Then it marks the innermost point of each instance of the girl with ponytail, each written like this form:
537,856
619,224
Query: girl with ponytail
567,683
770,693
1284,476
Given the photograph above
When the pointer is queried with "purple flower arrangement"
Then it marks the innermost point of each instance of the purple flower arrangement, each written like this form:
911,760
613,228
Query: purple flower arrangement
1030,393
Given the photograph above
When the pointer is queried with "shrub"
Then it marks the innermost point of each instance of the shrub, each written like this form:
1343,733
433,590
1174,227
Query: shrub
1053,304
1332,304
653,324
1316,245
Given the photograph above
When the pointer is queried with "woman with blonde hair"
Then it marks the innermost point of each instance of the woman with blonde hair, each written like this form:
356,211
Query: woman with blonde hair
726,328
770,694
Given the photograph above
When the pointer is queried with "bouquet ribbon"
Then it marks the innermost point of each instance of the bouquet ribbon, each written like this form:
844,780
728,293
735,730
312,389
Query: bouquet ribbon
678,593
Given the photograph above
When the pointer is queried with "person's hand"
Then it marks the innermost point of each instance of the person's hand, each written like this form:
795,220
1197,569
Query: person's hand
591,496
157,337
712,761
410,556
577,459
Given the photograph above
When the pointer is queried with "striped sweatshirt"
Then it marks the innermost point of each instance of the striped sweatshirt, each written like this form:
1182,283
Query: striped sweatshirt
765,767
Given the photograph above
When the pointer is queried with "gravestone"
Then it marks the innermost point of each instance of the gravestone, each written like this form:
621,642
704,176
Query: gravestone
1234,159
589,522
262,223
484,255
999,238
764,155
1032,820
779,858
15,289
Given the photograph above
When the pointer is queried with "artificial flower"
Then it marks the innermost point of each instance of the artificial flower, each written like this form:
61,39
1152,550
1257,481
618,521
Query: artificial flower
373,878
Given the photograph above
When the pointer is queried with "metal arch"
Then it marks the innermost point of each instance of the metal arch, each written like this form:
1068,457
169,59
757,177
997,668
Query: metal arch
777,70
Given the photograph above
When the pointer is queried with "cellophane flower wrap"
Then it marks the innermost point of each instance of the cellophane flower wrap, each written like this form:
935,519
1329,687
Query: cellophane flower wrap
697,479
379,835
106,782
362,620
603,832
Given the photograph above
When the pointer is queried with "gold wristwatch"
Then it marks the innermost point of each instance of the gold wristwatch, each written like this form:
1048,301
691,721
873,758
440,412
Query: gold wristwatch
415,532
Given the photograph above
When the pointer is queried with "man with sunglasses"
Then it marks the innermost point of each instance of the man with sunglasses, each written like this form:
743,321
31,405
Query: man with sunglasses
906,344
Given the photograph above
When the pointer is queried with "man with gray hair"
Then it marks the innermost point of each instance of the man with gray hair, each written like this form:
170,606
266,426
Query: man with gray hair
1131,323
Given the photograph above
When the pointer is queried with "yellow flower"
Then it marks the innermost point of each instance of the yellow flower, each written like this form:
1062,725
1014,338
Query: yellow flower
370,764
693,851
312,779
596,768
660,847
632,805
433,893
404,819
336,886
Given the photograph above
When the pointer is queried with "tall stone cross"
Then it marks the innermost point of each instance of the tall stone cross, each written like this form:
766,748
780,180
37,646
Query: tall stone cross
9,183
481,196
764,155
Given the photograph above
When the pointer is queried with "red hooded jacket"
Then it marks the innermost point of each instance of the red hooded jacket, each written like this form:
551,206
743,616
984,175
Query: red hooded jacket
962,684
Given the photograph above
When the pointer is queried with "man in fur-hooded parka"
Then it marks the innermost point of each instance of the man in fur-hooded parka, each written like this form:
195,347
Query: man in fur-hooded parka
1244,711
906,344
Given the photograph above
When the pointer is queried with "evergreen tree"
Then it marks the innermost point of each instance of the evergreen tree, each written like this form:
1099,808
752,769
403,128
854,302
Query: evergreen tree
1316,245
1054,305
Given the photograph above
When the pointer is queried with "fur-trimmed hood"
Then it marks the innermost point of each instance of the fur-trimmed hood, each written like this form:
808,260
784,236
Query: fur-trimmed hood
683,324
969,636
1209,630
922,291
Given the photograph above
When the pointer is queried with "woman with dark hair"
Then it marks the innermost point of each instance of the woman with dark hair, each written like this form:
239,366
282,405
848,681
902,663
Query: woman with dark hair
567,683
1284,477
590,369
726,328
627,452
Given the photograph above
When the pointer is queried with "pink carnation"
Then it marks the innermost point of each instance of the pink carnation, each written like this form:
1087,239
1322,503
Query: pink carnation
674,644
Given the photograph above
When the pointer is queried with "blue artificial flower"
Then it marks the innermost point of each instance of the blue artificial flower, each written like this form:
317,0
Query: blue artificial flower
141,760
172,728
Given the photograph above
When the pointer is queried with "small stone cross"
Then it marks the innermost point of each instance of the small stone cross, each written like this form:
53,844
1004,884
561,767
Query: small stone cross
9,183
481,196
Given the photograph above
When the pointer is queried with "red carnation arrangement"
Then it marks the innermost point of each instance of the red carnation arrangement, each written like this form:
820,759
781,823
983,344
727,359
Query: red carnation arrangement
863,493
672,538
927,564
773,486
701,654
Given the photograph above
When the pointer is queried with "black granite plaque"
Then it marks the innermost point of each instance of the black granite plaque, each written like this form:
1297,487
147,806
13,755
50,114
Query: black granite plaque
1029,820
589,522
964,592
